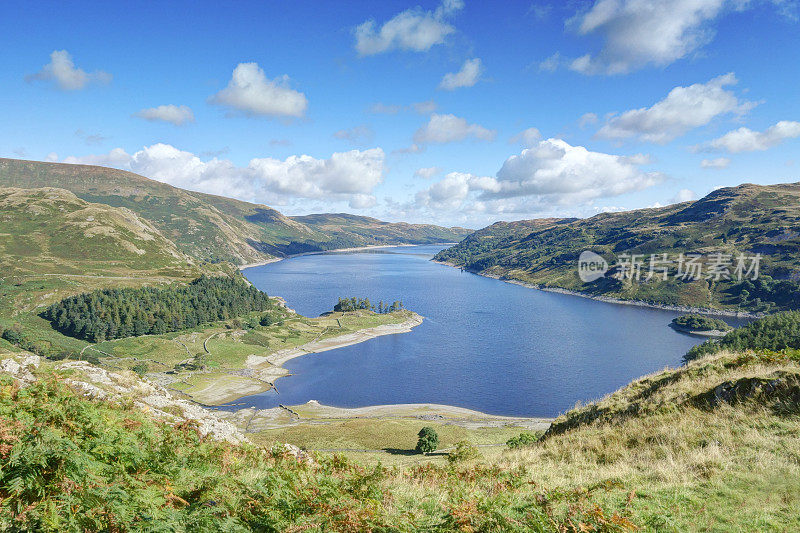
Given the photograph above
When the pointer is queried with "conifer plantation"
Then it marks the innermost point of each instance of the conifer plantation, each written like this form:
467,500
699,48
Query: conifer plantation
116,313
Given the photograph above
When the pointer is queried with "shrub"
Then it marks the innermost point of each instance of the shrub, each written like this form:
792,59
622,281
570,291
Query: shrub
700,323
428,440
523,439
465,451
140,368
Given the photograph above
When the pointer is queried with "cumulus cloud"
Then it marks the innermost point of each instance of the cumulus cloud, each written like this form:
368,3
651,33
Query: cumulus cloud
345,176
413,29
466,77
552,173
250,92
528,137
427,173
683,195
451,191
747,140
720,162
115,158
637,33
450,128
174,114
570,174
62,71
356,134
683,109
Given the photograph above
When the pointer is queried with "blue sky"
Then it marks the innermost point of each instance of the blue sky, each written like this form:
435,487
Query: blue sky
412,111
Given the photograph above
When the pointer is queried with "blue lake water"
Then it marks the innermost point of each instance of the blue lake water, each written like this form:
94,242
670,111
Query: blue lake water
485,344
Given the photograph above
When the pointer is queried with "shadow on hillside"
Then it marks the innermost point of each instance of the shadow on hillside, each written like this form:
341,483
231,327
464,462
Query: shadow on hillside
398,451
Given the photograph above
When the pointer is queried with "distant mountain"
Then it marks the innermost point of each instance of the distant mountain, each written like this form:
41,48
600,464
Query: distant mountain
214,228
748,219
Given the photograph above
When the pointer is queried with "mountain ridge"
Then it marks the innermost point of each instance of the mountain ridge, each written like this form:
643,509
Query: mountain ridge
747,219
215,228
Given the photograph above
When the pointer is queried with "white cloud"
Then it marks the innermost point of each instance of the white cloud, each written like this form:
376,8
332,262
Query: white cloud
571,174
62,70
683,195
356,134
413,149
466,77
553,173
413,29
115,158
450,128
587,119
424,108
174,114
528,137
551,63
720,162
345,176
683,109
747,140
52,157
250,92
427,173
637,33
450,192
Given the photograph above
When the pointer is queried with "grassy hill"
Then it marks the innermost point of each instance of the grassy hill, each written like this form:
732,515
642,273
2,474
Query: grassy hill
708,447
54,244
51,230
214,228
747,219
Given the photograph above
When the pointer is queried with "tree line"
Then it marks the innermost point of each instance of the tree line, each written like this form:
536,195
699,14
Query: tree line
774,332
355,304
116,313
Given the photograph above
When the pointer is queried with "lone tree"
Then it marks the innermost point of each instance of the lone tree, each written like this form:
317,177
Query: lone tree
428,440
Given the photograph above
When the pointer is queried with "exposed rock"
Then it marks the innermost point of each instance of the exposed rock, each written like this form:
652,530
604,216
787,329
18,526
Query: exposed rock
781,387
99,383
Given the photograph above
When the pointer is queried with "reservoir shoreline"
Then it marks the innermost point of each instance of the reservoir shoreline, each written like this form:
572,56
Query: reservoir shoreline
608,299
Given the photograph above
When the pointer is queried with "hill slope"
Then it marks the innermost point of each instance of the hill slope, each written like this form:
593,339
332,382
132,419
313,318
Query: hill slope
51,230
215,228
747,219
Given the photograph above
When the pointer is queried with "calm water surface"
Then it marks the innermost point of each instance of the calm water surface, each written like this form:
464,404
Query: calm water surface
485,344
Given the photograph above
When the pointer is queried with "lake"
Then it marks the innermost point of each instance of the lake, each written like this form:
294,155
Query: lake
485,344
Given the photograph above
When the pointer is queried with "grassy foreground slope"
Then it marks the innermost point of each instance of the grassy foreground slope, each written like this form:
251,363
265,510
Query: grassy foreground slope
747,219
214,228
708,447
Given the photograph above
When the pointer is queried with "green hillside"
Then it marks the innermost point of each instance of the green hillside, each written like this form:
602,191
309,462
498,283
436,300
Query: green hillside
49,230
747,219
214,228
